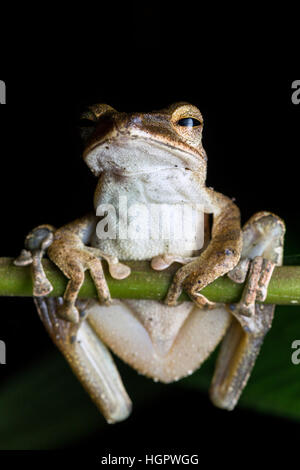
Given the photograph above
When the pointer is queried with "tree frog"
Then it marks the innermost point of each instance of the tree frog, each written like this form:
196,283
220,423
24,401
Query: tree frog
156,158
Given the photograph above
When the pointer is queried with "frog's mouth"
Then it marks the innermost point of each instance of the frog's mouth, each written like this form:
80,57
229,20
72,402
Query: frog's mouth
139,155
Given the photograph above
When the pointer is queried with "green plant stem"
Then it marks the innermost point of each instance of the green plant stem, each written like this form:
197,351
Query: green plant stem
145,283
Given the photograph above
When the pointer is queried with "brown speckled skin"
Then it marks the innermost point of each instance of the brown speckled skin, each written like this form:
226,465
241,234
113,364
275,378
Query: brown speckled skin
158,125
230,249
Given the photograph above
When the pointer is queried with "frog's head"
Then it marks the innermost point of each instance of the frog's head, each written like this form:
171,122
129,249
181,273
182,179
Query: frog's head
133,143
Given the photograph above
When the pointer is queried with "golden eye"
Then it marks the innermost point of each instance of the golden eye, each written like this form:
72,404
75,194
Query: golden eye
188,122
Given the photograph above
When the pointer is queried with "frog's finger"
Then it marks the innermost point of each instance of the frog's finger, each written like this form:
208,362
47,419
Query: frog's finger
97,274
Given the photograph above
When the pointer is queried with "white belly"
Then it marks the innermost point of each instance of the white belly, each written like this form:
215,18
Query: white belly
164,343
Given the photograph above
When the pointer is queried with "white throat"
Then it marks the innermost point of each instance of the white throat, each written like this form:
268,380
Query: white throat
150,214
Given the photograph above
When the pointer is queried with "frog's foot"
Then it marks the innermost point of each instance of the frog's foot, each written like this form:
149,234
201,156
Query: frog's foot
181,279
262,251
73,262
36,243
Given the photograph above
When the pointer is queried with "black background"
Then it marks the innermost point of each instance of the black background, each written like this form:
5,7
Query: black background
251,135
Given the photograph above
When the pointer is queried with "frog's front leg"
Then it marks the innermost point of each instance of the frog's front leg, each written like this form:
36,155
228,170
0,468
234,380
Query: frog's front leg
221,256
69,252
262,250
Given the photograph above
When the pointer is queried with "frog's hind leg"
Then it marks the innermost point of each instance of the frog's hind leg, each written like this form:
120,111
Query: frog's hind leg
262,250
89,359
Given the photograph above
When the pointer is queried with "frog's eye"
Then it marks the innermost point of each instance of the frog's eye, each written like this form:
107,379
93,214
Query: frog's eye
189,122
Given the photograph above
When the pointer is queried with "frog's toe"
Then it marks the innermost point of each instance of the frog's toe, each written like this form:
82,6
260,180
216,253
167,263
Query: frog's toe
68,312
264,280
174,293
202,301
239,273
97,274
256,287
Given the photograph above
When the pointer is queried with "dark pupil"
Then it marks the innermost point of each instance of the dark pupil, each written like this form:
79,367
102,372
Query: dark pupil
189,122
